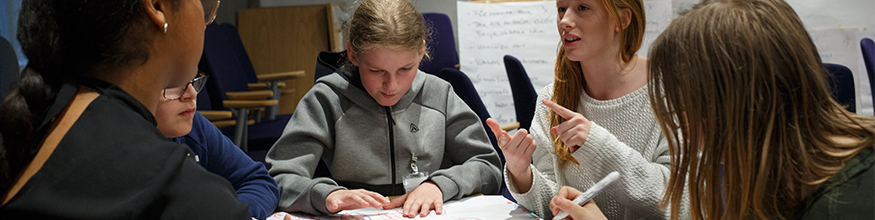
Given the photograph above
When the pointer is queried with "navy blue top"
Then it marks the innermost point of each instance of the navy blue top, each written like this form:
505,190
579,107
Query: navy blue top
219,155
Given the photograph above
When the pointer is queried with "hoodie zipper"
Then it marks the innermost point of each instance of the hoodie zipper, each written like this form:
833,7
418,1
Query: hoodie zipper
391,122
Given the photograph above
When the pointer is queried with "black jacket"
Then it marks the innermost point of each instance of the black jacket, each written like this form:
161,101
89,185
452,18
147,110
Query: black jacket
848,194
113,163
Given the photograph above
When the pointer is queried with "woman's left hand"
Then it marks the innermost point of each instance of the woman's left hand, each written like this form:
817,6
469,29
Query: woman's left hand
574,131
426,197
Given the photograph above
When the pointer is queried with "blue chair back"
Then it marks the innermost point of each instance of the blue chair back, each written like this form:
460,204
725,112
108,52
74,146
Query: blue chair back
203,98
868,48
236,45
465,89
9,74
228,65
841,85
443,45
524,95
225,68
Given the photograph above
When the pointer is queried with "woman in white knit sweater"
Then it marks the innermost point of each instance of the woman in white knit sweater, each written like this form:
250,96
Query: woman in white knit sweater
606,123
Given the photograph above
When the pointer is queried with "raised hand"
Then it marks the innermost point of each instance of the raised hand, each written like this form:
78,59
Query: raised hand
574,131
354,199
563,202
518,152
426,197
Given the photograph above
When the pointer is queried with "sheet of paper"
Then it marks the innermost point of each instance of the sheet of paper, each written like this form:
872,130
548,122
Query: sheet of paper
658,14
476,207
842,46
487,32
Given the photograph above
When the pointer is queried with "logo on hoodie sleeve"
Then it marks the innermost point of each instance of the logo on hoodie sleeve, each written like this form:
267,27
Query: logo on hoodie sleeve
413,128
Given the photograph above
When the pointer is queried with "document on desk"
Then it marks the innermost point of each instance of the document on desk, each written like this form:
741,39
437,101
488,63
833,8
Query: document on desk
476,207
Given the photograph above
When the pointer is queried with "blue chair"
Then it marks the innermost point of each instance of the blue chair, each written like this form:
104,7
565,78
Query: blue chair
9,72
524,96
465,89
271,81
443,45
219,118
868,48
231,87
841,85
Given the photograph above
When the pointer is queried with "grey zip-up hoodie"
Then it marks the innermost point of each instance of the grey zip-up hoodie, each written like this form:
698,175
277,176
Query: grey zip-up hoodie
369,146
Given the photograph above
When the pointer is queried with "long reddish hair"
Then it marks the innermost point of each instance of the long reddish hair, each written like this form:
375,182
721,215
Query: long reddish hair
568,83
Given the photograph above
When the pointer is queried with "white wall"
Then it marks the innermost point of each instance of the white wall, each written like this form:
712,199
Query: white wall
818,14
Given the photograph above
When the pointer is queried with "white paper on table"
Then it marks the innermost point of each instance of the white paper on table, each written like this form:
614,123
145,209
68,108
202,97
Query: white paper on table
475,207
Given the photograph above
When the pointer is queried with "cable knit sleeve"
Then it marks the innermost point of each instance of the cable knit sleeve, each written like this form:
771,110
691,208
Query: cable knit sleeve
544,187
644,168
643,179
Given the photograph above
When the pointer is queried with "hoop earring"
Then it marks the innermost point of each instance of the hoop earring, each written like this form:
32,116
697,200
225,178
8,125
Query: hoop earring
165,28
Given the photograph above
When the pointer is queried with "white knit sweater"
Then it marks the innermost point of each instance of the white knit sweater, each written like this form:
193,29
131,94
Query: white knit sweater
624,137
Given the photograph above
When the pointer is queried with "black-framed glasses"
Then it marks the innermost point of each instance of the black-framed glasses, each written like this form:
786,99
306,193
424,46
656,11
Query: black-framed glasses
210,9
197,84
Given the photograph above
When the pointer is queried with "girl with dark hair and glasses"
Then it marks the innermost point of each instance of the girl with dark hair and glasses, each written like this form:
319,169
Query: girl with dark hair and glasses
179,121
79,137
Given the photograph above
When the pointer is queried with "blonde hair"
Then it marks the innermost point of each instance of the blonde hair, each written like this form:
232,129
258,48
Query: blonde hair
392,23
569,81
739,82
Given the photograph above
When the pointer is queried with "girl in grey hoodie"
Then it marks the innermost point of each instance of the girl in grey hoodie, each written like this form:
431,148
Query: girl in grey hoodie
379,119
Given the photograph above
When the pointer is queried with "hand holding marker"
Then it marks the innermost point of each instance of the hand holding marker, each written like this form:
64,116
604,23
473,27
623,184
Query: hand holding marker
591,192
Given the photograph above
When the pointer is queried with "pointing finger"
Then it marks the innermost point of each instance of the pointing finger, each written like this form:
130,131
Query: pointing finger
562,111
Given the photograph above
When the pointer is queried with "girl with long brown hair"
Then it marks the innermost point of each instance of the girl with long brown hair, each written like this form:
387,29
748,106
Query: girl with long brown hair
739,83
595,118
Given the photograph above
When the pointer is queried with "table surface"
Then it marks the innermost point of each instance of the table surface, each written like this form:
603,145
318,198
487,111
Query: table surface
469,208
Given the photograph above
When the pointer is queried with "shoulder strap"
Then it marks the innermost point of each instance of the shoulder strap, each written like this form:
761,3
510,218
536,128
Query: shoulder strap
60,126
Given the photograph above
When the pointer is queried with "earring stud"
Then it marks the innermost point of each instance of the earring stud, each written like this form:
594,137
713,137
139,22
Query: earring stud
165,28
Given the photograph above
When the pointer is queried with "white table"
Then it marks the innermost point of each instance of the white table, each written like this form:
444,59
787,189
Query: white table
470,208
